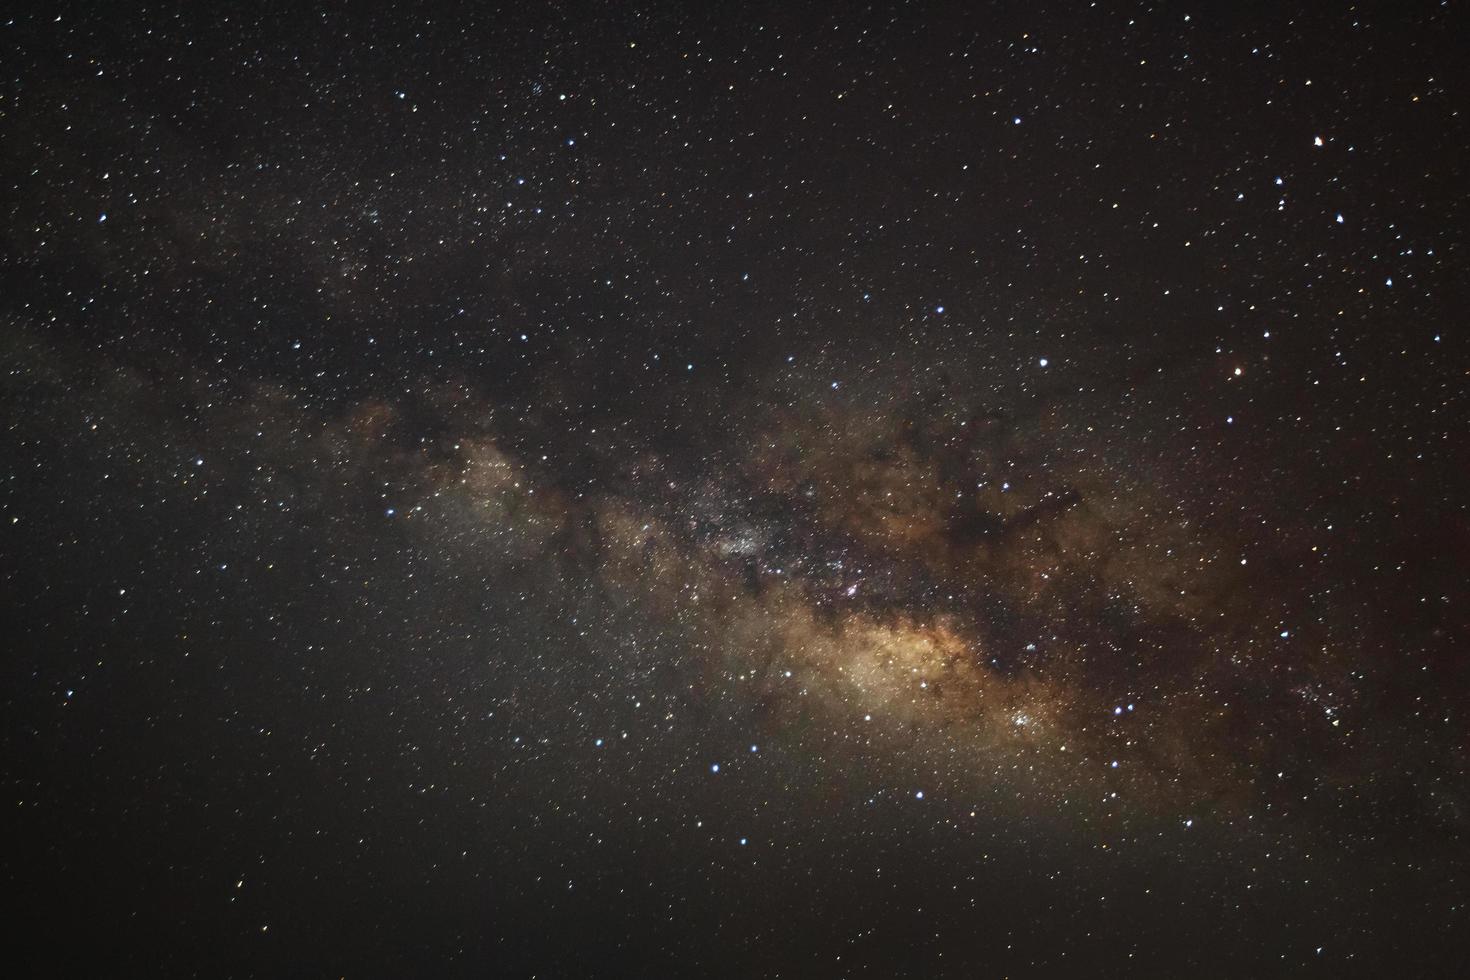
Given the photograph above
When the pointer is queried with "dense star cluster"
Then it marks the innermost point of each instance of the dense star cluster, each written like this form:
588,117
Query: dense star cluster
736,489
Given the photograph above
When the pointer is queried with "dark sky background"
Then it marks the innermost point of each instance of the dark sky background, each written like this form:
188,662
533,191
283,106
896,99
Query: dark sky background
735,489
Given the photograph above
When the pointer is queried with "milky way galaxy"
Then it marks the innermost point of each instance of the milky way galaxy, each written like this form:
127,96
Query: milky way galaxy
656,491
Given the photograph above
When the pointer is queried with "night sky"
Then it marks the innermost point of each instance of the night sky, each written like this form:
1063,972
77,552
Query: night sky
733,489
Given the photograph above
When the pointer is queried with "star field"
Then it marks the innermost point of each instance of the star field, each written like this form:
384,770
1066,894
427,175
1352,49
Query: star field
750,490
